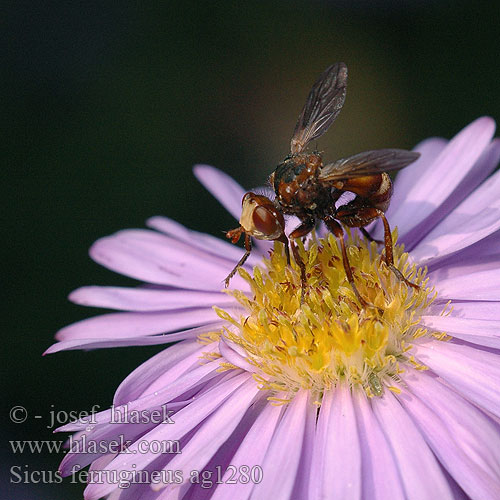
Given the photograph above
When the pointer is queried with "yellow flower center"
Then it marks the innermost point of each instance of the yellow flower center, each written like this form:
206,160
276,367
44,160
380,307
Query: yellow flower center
330,337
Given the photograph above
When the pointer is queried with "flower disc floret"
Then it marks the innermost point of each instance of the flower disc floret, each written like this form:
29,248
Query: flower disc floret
316,340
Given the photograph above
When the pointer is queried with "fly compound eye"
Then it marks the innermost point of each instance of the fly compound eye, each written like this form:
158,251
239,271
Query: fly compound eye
265,222
260,219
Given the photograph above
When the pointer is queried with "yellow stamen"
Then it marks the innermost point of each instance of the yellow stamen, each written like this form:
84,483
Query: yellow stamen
330,337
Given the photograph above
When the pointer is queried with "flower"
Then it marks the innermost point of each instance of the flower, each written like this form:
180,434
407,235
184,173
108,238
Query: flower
271,398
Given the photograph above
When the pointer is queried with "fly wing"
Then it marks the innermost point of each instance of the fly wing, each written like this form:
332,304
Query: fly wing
367,163
324,102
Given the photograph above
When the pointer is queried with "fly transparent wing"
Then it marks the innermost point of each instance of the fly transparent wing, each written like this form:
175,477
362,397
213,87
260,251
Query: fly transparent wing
324,102
367,163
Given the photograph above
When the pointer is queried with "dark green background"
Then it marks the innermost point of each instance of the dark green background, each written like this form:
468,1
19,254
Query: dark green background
106,109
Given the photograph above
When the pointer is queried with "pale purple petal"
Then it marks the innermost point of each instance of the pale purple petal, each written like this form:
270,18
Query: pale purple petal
168,365
214,431
120,494
463,439
406,179
102,462
193,379
465,262
477,331
458,493
474,219
251,452
186,420
115,495
282,459
480,256
118,430
133,324
139,490
203,241
157,258
448,169
136,490
224,458
336,448
232,354
108,330
227,191
473,372
482,285
380,476
476,309
175,492
476,175
103,342
84,452
302,481
146,299
477,484
420,472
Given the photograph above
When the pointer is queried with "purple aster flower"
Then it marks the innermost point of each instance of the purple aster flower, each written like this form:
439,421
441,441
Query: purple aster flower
268,398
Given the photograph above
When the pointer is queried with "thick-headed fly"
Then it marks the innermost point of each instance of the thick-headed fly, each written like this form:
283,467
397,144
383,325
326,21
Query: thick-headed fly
308,189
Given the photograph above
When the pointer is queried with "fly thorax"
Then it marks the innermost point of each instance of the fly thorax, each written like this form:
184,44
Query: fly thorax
295,181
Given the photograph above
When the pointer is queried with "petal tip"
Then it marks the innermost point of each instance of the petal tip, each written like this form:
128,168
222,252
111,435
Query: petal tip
486,122
98,251
200,169
50,350
75,296
151,221
94,249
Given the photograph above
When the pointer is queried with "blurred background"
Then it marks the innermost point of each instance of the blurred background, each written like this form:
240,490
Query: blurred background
107,106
